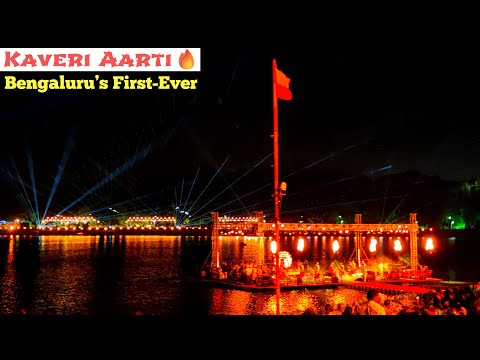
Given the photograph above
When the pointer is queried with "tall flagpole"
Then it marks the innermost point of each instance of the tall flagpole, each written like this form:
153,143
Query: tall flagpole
276,194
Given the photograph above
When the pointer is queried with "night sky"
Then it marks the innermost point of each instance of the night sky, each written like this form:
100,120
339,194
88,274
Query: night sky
357,117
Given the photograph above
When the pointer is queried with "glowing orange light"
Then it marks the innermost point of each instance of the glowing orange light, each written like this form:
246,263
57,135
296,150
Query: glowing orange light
335,246
301,244
373,245
186,60
429,245
397,245
273,247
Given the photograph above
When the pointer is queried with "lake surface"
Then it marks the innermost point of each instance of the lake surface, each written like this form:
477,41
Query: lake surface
90,275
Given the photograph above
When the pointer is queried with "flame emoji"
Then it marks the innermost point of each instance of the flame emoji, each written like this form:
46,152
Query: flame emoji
186,60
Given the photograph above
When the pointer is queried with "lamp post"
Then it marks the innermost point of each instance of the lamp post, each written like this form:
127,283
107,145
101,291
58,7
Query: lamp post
280,90
279,191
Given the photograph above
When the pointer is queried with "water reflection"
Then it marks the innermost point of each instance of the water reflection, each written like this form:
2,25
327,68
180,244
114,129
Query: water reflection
123,274
236,302
7,290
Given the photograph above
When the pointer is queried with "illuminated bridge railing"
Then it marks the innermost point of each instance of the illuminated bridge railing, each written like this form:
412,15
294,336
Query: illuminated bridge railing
238,219
236,224
338,227
229,222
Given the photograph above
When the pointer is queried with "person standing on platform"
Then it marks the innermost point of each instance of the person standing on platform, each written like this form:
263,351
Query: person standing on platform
374,306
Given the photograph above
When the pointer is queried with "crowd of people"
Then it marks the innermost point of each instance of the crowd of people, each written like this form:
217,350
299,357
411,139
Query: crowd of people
251,273
446,301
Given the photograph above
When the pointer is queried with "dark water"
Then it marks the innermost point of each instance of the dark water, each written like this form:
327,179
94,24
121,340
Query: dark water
89,275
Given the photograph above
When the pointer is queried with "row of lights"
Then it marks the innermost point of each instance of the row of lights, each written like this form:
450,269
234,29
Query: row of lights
238,219
150,218
69,219
397,245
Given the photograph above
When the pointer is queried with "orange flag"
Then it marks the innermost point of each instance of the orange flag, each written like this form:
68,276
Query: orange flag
282,85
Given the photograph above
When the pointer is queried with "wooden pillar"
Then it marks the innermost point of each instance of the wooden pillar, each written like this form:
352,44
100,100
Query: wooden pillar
413,242
215,263
358,239
259,227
